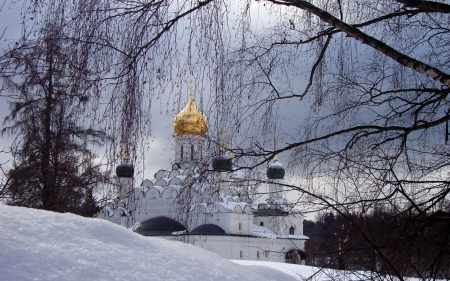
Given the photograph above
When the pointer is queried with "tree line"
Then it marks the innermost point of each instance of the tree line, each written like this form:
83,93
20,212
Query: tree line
412,243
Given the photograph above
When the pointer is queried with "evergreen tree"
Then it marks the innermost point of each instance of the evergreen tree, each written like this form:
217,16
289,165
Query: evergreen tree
53,166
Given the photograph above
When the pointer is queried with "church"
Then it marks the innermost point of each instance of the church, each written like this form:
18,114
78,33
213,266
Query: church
208,204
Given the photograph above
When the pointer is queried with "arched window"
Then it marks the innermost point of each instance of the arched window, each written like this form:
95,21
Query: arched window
182,152
291,230
192,152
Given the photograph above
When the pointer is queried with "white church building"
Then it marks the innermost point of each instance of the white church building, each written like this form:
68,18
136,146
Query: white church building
209,205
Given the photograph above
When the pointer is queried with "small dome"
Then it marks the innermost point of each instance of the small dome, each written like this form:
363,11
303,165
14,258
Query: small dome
208,229
190,121
159,226
125,170
275,170
222,163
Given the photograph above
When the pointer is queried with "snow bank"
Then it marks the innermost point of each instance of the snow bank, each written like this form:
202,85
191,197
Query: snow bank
311,273
40,245
303,272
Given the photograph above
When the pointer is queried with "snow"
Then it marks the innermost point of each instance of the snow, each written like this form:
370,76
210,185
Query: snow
300,272
311,273
261,231
40,245
230,206
290,236
276,164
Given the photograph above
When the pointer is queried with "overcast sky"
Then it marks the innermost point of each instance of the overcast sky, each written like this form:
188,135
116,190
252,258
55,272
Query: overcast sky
10,26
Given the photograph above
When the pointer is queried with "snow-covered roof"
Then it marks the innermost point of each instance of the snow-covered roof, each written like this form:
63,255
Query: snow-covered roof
230,206
289,236
276,164
261,231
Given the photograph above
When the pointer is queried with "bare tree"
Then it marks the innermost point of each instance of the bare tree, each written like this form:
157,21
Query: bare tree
370,79
375,126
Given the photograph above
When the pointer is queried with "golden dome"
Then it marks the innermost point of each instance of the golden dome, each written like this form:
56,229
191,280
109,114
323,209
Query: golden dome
190,121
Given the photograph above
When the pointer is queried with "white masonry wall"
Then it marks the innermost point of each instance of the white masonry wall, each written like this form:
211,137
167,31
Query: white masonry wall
244,248
183,148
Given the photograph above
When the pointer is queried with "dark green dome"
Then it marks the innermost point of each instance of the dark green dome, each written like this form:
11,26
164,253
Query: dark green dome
275,170
125,170
222,163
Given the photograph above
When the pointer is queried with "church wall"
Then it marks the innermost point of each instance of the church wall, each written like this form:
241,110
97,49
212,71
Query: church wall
123,186
229,222
150,208
276,190
291,221
266,222
281,225
245,248
235,223
240,224
183,144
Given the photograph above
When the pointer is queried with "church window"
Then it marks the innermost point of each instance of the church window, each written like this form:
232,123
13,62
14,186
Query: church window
182,152
240,254
266,253
192,152
239,226
261,224
291,230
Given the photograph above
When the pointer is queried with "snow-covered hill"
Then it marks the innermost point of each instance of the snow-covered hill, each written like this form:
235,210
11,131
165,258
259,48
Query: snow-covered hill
40,245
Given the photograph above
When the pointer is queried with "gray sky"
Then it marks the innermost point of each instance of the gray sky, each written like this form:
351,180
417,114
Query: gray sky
10,27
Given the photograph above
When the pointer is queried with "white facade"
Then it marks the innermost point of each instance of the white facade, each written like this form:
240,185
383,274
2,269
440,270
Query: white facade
123,186
239,247
248,233
189,148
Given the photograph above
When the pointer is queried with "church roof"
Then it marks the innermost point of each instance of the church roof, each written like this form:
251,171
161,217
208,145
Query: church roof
159,226
275,170
208,229
125,170
190,120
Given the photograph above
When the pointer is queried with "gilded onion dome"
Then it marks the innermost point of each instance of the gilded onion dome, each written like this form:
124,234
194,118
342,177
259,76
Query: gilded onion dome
190,120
